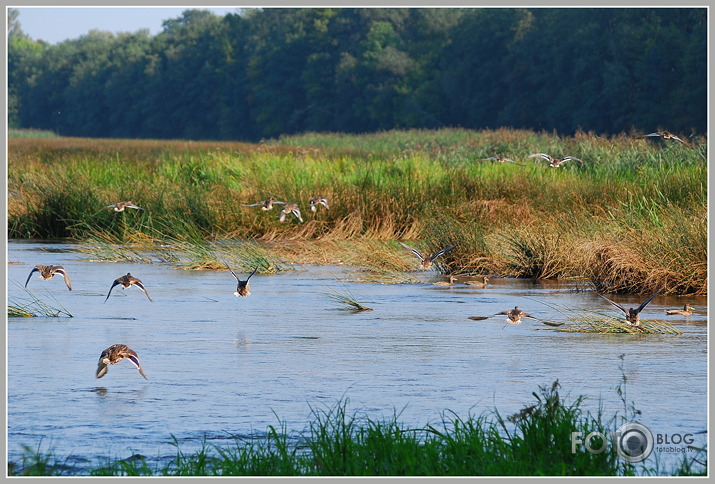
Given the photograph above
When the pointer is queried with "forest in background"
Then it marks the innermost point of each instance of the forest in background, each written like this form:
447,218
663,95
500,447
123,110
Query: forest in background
263,73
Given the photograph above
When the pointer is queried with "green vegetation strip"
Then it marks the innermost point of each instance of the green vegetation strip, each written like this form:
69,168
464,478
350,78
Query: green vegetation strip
533,442
632,218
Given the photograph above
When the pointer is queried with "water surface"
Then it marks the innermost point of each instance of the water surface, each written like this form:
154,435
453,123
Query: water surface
219,366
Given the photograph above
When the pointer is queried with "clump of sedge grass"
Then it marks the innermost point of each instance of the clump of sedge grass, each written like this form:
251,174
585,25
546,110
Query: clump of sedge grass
32,307
346,300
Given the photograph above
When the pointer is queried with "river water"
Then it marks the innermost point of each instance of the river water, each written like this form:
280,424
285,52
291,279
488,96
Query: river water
220,366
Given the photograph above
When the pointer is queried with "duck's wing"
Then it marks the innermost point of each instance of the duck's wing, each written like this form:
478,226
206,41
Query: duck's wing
645,303
282,218
101,368
34,269
512,161
115,283
134,358
251,274
296,212
131,205
253,204
413,250
231,270
572,158
443,251
615,304
658,134
140,285
540,155
61,270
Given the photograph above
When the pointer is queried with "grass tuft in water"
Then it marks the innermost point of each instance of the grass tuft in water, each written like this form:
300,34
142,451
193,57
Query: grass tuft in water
346,300
33,307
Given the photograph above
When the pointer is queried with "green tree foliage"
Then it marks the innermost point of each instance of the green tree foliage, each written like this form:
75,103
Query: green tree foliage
267,72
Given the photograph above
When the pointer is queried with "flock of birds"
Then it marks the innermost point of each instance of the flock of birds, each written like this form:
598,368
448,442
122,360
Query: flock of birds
557,162
117,352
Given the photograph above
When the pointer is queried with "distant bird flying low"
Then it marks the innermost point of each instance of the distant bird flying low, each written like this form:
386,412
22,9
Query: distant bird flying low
48,272
515,315
427,260
664,135
243,287
126,281
120,206
318,201
265,204
555,162
290,208
115,354
632,315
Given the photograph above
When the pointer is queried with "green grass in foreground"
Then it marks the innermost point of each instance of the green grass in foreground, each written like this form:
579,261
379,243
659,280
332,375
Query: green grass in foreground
536,441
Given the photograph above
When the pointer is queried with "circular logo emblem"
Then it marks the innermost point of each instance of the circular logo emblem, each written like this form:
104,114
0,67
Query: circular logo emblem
634,442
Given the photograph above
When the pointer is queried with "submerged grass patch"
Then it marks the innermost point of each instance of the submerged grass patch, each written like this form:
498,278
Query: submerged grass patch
536,441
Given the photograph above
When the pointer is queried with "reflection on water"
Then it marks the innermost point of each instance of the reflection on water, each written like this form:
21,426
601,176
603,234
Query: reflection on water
221,366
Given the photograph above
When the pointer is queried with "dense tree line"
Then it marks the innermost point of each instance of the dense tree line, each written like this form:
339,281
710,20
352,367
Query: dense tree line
262,73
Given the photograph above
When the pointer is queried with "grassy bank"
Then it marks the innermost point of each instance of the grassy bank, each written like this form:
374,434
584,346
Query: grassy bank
631,218
535,441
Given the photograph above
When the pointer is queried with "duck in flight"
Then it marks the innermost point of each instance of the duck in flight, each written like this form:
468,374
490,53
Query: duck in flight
318,201
265,204
48,272
632,315
120,206
290,208
242,289
126,281
555,162
115,354
427,260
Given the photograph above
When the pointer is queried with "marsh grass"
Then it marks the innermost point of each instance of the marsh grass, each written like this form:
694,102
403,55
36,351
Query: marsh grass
535,441
346,300
597,322
632,217
32,306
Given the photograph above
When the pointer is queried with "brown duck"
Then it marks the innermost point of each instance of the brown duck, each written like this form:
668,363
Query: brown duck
242,289
318,201
686,311
126,281
427,260
555,162
120,206
48,272
115,354
265,204
632,315
290,208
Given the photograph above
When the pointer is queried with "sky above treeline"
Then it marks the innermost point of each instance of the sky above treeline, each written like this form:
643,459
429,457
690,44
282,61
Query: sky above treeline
56,24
